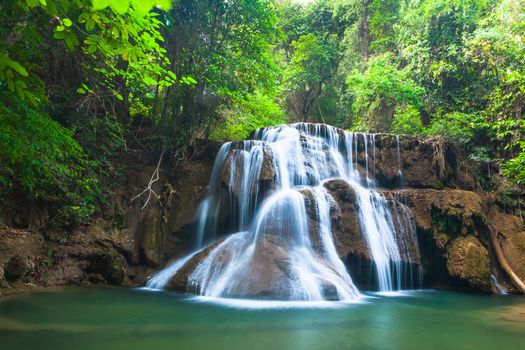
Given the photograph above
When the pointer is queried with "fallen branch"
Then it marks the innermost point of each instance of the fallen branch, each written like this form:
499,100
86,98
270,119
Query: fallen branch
149,190
505,264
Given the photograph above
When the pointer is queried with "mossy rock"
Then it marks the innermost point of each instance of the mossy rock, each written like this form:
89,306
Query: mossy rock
468,259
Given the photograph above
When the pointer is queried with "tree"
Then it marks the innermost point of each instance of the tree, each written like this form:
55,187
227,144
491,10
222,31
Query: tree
97,56
309,68
497,51
225,46
378,91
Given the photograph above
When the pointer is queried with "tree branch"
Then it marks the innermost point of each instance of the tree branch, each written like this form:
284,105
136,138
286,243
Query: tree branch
149,190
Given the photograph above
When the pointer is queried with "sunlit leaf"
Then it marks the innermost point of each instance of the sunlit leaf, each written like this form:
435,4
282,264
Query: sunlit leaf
100,4
119,6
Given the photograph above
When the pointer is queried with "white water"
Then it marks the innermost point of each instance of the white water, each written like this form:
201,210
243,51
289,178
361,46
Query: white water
162,278
501,290
270,226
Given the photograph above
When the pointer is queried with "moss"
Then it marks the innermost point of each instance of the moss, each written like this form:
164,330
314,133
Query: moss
447,222
120,222
441,239
468,259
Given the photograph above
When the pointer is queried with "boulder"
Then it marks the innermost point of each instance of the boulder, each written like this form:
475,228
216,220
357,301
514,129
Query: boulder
468,259
179,281
346,227
19,250
266,275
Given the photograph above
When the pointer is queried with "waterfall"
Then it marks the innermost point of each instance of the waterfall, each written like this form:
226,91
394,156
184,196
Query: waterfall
501,290
281,242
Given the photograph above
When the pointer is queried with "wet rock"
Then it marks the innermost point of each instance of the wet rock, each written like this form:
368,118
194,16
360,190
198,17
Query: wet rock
179,282
3,281
348,235
266,275
423,162
268,172
187,188
232,174
453,211
152,240
67,271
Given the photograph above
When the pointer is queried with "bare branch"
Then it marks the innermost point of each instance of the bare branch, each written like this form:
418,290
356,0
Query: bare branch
149,189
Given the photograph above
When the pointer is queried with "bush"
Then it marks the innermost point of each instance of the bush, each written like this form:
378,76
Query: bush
41,160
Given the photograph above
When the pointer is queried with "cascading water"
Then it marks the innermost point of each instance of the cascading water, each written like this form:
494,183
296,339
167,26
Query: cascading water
271,186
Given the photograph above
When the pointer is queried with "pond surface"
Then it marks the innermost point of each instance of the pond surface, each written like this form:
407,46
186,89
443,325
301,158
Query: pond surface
113,318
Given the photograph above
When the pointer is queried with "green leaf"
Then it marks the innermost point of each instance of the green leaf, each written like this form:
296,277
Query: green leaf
164,4
100,4
20,88
10,85
17,67
81,91
91,49
67,22
149,81
90,24
32,3
119,6
69,44
142,6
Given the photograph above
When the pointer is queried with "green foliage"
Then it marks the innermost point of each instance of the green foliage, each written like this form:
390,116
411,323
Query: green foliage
455,126
56,146
257,111
309,68
123,39
312,51
226,47
383,13
515,167
379,90
41,159
449,68
407,120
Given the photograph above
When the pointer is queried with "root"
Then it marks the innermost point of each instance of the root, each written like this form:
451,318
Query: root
149,190
438,158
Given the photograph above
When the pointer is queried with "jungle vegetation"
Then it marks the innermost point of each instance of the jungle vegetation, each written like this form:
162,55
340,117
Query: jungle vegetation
83,80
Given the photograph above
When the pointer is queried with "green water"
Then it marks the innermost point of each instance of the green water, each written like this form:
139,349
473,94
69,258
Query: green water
110,318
